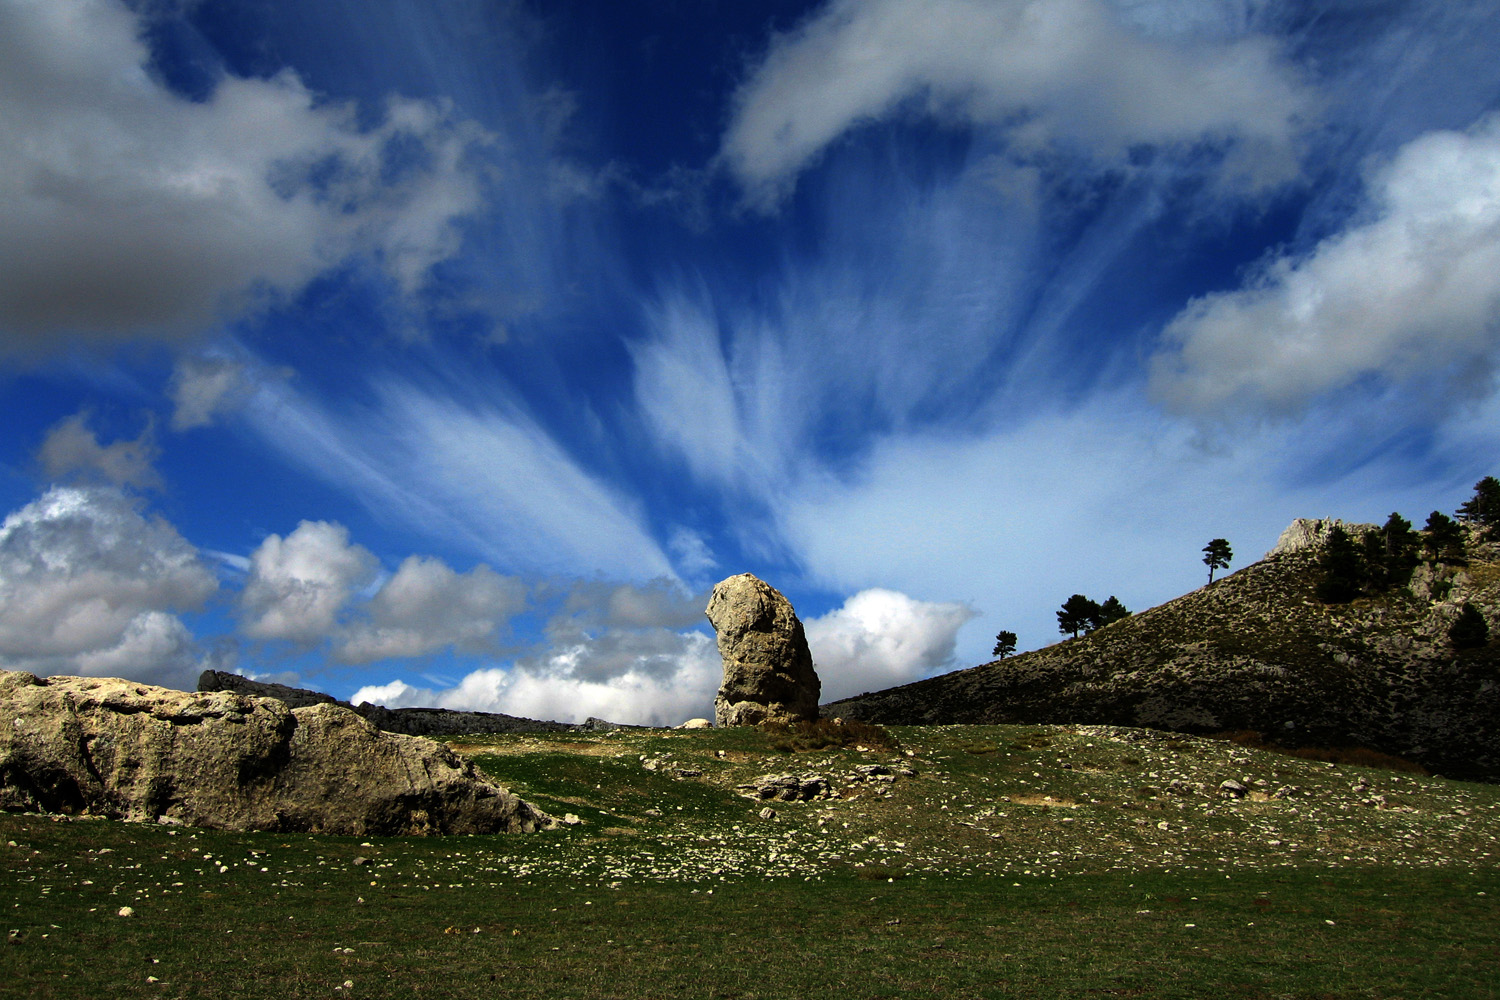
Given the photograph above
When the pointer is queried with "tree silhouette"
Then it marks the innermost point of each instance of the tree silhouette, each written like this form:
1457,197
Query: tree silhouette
1005,644
1400,550
1110,611
1372,557
1078,613
1445,539
1216,555
1483,509
1340,564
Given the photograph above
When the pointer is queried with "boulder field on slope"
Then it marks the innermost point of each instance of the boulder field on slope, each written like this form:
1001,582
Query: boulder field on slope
115,748
1258,651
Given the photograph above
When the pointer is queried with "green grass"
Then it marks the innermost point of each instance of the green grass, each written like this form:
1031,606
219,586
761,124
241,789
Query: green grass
999,873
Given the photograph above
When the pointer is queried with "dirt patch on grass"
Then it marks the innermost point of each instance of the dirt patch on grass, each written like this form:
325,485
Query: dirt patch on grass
1043,800
513,747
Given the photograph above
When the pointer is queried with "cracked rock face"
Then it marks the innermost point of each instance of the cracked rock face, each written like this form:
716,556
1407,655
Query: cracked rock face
111,747
768,670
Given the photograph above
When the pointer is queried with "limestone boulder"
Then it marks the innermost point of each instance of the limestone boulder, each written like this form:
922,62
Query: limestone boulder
110,747
768,670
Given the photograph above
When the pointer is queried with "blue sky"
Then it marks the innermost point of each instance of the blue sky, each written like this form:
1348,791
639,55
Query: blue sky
448,352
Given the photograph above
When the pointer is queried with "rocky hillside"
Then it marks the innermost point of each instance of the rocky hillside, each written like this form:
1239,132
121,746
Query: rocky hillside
1258,651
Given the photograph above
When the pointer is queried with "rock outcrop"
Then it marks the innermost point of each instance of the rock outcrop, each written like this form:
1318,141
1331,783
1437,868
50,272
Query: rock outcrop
110,747
1307,534
768,670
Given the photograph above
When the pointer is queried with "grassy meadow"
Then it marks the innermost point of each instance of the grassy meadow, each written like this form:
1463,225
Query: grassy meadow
991,861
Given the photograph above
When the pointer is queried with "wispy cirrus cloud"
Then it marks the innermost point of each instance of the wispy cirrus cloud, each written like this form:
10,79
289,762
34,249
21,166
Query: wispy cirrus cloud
484,474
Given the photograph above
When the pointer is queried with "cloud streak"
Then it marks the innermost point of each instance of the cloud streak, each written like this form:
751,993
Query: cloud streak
486,475
1064,72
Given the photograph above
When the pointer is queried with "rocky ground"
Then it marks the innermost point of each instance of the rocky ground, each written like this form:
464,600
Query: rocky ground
1026,802
1019,800
968,861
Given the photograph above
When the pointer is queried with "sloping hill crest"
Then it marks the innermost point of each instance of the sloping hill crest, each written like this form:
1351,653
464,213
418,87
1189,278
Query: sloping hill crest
1258,651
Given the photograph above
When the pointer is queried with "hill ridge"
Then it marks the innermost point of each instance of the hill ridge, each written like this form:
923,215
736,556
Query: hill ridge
1256,650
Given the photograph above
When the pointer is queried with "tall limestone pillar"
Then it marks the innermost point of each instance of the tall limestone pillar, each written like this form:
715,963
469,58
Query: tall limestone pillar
768,670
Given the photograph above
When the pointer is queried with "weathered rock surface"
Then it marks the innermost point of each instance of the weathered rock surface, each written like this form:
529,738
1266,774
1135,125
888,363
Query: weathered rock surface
768,670
787,788
1309,533
1258,651
112,747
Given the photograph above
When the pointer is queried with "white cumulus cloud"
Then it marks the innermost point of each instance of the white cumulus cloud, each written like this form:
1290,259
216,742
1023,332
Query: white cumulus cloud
651,677
427,606
1409,288
299,585
881,638
89,585
1043,71
130,210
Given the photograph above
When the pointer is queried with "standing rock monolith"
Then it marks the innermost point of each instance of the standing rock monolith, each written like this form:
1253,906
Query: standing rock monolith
768,670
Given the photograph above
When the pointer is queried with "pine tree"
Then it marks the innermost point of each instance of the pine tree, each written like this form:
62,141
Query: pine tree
1109,612
1005,644
1216,555
1375,574
1078,614
1445,539
1400,550
1482,510
1340,564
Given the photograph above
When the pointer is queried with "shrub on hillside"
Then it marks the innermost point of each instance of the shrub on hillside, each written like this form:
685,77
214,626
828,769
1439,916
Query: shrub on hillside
1469,630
